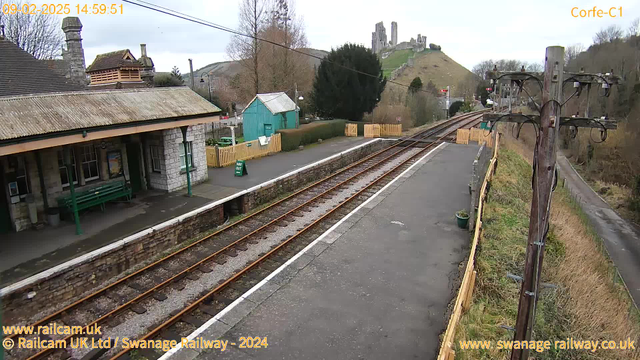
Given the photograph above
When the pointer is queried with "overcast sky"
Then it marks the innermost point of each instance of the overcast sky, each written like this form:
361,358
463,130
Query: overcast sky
468,31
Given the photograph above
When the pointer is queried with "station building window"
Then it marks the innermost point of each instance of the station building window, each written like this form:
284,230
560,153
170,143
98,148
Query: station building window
64,174
90,163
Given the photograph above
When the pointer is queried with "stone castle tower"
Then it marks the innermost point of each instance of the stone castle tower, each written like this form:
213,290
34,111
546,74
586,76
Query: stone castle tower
379,38
74,54
394,33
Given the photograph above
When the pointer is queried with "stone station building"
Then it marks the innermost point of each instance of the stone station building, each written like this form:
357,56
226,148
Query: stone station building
132,135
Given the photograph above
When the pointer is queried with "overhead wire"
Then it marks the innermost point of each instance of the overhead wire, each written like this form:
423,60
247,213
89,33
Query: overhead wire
177,14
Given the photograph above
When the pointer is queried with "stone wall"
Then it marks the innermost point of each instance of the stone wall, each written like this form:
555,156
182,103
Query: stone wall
88,275
480,166
298,180
172,140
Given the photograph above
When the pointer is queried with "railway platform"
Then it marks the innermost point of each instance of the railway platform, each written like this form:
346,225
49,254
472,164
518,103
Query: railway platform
29,252
376,285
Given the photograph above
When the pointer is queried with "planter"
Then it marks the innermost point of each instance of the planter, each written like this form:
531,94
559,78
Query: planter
462,221
53,216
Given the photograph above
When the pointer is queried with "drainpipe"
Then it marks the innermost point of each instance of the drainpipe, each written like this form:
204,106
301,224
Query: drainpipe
74,204
43,189
186,158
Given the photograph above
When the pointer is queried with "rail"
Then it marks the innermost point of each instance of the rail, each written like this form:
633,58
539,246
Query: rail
64,311
159,329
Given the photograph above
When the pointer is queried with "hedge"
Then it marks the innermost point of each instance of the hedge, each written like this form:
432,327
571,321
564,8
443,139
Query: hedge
310,133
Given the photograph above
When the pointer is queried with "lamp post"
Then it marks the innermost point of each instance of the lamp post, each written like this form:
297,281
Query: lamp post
297,97
208,83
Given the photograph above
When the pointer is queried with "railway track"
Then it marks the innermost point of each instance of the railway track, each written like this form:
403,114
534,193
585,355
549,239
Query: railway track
241,253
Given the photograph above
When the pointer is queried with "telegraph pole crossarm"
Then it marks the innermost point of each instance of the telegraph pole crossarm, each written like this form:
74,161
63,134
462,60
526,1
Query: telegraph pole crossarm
597,123
547,125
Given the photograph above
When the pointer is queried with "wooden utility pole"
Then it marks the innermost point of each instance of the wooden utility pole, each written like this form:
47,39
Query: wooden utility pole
543,183
547,124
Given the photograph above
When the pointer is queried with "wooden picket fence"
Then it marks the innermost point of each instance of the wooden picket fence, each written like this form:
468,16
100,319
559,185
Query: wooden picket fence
225,156
351,130
462,136
390,129
378,130
371,130
465,293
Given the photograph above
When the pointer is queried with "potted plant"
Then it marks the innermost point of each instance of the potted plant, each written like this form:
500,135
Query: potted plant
463,218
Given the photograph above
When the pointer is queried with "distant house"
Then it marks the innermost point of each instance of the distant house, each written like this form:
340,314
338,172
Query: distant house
121,67
268,113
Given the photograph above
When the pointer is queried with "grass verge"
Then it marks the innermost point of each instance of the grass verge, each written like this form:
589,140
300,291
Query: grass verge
588,304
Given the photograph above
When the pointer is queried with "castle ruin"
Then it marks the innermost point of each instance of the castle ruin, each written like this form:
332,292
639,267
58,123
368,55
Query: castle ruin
379,41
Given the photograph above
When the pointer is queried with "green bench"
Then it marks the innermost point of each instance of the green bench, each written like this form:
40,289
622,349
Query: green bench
96,196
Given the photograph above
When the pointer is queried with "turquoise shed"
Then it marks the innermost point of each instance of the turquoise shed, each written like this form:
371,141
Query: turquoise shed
268,113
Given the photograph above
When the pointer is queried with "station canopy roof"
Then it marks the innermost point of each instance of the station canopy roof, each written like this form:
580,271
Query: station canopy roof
40,114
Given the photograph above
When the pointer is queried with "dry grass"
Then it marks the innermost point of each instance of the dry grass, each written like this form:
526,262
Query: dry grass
589,303
599,306
437,67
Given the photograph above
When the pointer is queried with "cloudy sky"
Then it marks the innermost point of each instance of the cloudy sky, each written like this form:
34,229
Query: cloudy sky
468,31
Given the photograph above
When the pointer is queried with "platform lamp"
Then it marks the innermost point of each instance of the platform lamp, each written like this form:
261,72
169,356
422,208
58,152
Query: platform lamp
208,83
66,154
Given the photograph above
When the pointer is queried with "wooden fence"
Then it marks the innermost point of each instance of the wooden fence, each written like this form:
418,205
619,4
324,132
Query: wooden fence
351,130
463,136
390,129
225,156
371,130
377,130
465,293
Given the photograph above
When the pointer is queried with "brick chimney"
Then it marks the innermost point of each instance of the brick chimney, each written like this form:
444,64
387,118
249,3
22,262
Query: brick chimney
74,54
148,69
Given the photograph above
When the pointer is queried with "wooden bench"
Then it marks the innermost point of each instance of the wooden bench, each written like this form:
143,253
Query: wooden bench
96,196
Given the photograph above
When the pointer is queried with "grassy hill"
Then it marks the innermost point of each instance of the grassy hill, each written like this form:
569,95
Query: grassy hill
428,65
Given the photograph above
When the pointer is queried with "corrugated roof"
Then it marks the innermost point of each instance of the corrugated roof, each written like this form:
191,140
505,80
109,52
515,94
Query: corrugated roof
277,102
23,116
21,73
113,60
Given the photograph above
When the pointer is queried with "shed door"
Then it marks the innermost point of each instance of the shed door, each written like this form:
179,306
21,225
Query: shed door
268,130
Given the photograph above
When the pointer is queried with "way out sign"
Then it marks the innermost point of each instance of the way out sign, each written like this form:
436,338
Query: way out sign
241,168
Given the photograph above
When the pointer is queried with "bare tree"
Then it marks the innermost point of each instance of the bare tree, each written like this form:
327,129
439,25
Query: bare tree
534,67
283,67
610,34
571,53
634,27
481,68
38,34
244,49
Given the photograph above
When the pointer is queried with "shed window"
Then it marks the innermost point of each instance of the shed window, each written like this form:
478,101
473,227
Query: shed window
189,156
62,168
90,163
156,158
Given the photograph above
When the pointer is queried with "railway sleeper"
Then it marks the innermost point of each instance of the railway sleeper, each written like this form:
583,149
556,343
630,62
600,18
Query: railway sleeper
138,309
159,296
192,320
